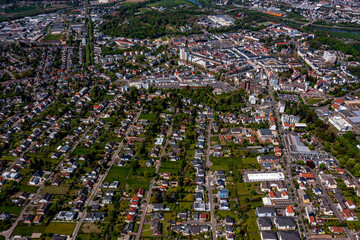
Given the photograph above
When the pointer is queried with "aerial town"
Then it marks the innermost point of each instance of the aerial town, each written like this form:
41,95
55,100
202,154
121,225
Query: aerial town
179,119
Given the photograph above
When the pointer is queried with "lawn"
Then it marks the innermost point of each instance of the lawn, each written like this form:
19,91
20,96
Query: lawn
27,230
55,190
20,9
147,232
148,116
60,228
121,174
232,163
8,158
169,167
312,101
83,150
10,209
51,37
109,97
27,188
169,3
89,228
252,227
117,174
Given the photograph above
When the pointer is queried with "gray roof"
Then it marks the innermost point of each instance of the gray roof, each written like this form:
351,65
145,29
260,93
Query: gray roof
285,221
264,222
288,235
268,235
271,210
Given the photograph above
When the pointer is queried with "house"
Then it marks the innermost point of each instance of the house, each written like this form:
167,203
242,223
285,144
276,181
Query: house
202,217
285,223
268,235
286,235
267,159
229,221
317,191
140,193
130,218
264,223
306,198
160,207
290,211
183,215
336,229
265,212
349,183
200,206
58,237
157,228
42,208
38,219
349,215
45,198
265,134
224,205
28,219
157,216
129,227
350,204
230,236
66,215
223,193
198,196
331,183
4,216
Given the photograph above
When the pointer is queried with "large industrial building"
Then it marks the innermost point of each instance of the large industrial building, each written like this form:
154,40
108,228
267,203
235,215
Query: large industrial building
263,176
340,123
297,147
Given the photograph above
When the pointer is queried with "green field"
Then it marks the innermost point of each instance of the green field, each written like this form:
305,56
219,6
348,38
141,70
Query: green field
228,163
169,3
8,158
20,9
117,174
312,101
27,230
60,228
51,37
170,167
80,149
109,97
55,190
357,47
11,209
148,116
131,181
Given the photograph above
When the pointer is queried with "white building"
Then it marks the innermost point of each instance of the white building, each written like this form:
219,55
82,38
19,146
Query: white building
184,54
281,107
340,124
222,20
253,99
329,57
265,176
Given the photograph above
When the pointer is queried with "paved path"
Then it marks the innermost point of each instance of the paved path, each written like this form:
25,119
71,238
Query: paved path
209,180
152,183
102,178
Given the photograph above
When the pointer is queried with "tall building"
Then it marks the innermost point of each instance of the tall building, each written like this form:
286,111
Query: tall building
329,57
281,107
184,54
